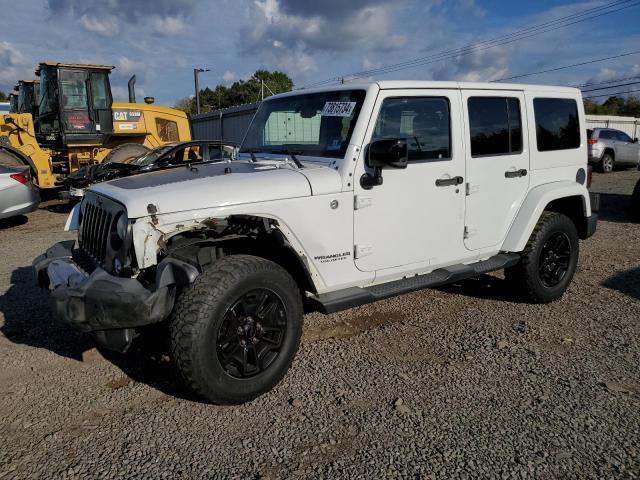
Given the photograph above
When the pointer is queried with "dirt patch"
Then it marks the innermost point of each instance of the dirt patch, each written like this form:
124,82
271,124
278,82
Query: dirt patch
118,383
352,326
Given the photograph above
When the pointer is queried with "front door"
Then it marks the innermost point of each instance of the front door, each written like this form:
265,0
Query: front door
497,164
417,215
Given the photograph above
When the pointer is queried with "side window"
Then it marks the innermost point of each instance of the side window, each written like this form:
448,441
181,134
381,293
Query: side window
557,124
193,153
605,135
495,125
167,130
423,121
215,153
623,137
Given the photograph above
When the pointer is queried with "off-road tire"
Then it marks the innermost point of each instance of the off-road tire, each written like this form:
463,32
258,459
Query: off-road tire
607,163
199,315
124,152
525,277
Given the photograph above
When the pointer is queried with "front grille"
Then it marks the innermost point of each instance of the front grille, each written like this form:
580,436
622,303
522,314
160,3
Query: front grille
98,215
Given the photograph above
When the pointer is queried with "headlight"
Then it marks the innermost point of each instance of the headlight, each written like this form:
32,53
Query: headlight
122,226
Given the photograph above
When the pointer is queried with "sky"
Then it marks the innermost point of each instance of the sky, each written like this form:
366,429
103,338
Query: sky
161,41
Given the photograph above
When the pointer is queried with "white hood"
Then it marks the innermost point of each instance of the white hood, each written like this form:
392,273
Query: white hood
215,185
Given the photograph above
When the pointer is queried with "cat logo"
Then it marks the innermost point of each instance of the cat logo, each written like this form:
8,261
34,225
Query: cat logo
126,115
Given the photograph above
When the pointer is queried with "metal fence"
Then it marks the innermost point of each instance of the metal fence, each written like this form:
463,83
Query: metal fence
629,125
227,124
232,123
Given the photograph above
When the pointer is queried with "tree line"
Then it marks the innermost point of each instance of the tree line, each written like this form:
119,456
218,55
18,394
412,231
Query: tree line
240,92
624,107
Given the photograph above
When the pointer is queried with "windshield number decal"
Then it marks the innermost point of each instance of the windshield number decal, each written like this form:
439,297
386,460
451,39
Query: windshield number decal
338,109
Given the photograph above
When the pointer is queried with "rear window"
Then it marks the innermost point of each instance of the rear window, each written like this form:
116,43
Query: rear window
495,125
557,124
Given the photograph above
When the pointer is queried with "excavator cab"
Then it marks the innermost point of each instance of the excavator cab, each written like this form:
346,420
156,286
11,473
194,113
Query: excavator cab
75,104
28,92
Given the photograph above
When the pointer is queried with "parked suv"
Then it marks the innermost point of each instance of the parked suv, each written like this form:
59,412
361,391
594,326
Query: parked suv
609,147
340,197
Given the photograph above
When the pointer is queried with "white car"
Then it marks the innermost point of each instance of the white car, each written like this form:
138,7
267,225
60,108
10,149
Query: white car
340,196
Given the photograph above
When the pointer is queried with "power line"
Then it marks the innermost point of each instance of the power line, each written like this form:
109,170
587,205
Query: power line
492,43
615,94
568,66
615,80
610,87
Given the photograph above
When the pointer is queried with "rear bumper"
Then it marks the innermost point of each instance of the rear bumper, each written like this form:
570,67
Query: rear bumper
21,200
592,221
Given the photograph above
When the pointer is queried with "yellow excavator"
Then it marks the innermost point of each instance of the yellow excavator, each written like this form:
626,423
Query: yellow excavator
76,123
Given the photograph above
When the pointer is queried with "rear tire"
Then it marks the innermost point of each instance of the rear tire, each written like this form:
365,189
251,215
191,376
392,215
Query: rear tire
607,163
124,152
236,330
549,260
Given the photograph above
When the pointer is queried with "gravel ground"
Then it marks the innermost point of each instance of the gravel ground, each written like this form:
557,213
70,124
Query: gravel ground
460,382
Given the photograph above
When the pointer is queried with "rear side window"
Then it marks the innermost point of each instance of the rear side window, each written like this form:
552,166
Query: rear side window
606,135
557,125
495,125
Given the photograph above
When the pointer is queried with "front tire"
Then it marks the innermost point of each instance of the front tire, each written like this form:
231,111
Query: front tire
607,163
549,260
124,152
236,330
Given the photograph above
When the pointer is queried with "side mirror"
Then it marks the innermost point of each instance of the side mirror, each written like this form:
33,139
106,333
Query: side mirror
635,140
388,152
385,153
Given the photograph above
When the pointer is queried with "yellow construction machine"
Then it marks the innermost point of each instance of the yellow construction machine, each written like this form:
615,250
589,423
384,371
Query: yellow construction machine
76,123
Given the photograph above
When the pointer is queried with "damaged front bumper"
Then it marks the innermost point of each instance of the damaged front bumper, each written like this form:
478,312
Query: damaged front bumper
103,304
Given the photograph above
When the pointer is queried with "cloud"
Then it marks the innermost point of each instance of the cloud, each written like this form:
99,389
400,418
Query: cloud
107,25
229,77
291,32
479,66
13,66
167,17
169,25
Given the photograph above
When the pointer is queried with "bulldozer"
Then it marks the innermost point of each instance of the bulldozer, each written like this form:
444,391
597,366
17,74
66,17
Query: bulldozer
76,123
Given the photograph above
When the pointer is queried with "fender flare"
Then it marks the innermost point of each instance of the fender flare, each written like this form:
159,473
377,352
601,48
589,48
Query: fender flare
534,204
21,156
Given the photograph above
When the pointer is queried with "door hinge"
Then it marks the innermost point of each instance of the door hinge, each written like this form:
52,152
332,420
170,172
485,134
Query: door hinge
363,250
360,201
471,189
469,232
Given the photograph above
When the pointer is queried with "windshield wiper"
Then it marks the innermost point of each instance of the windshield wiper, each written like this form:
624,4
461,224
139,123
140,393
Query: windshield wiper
252,152
291,154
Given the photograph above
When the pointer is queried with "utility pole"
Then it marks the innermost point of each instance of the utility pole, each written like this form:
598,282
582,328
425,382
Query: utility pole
196,72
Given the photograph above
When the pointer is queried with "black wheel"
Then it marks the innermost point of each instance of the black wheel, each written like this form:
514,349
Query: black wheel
635,201
548,261
236,330
124,152
607,163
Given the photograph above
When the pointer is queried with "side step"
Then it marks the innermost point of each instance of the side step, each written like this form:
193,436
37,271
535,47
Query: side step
352,297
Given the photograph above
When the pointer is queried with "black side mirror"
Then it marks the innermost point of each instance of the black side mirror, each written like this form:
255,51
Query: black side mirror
635,140
385,153
388,152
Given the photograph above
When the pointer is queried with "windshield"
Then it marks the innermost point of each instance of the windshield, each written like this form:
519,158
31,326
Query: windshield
149,157
314,124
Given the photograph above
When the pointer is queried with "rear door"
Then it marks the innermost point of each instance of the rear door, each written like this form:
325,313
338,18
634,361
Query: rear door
497,164
626,148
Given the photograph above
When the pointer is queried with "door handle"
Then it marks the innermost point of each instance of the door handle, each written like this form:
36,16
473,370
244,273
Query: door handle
515,173
447,182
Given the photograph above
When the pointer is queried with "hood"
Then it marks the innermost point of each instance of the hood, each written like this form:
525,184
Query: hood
99,173
210,185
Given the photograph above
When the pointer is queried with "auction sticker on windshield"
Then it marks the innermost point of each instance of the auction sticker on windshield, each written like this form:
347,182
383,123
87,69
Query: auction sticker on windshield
338,109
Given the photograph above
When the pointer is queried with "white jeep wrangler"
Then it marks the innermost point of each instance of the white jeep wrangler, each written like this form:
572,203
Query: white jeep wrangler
339,197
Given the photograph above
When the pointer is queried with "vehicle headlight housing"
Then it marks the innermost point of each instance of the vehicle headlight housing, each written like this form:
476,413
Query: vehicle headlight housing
119,230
